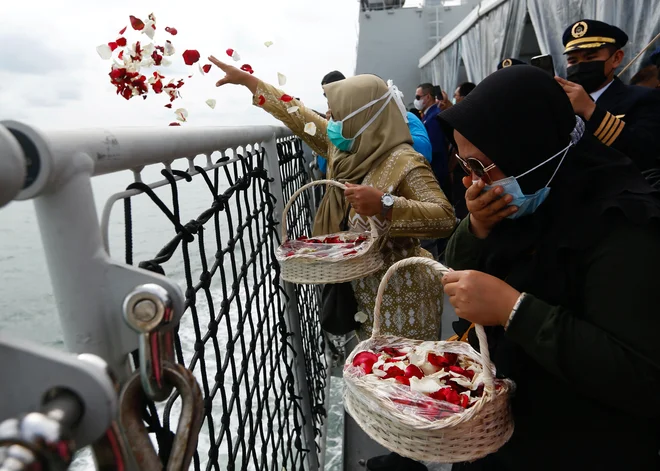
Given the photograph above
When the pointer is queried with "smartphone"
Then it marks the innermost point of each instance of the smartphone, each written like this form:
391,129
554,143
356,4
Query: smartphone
544,62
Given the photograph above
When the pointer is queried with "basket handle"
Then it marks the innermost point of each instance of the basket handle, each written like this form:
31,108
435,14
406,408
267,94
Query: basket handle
372,223
441,270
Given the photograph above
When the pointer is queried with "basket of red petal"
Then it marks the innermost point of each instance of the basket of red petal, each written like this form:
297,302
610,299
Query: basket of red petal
331,258
431,401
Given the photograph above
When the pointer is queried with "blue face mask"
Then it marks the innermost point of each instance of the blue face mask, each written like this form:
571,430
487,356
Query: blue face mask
527,204
335,128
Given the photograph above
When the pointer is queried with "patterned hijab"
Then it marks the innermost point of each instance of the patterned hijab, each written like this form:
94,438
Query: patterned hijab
388,132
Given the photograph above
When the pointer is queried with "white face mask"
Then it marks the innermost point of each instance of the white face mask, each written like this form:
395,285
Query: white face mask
418,104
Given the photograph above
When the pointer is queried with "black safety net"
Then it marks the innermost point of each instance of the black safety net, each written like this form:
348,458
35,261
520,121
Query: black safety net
215,233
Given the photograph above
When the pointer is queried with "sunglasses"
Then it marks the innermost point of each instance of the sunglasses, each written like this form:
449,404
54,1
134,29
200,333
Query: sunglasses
419,97
474,166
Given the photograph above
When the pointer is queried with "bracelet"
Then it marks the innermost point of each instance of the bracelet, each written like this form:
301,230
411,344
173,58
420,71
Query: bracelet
514,310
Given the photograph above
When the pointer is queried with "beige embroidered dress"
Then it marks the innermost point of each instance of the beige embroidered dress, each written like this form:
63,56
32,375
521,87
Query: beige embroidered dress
412,304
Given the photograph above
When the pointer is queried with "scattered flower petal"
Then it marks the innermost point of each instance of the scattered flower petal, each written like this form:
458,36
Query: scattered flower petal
211,102
292,110
230,52
286,98
365,360
169,105
247,68
190,56
424,385
281,79
268,43
310,128
168,49
172,31
123,30
112,45
136,23
121,42
181,114
175,124
235,56
104,51
206,68
360,316
262,100
150,31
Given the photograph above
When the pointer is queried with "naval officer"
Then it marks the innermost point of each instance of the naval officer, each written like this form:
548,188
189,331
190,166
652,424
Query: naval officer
624,117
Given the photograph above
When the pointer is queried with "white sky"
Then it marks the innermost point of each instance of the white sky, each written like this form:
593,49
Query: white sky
52,77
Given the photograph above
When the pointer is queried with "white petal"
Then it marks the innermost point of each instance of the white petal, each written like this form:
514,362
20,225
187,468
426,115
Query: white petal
201,71
104,51
424,385
378,372
235,56
268,43
292,110
165,62
168,48
462,381
310,128
181,114
148,49
281,79
399,364
149,30
360,316
379,363
211,102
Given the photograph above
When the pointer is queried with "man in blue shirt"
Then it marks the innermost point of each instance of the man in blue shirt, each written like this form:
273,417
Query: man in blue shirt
421,141
425,103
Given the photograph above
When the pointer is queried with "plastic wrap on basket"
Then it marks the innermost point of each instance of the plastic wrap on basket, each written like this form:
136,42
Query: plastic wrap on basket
338,246
305,263
416,379
427,419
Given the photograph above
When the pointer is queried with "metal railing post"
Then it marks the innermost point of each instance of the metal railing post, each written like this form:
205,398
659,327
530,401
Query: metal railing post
293,316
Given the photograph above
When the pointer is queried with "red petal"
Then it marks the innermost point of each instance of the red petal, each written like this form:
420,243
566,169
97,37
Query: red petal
123,30
175,124
112,46
121,55
121,42
230,52
206,68
462,371
465,401
157,86
136,23
287,98
365,360
169,105
413,371
262,100
247,68
172,31
190,56
393,372
403,380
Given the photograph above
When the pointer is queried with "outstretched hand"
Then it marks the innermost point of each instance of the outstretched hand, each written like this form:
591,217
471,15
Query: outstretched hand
234,75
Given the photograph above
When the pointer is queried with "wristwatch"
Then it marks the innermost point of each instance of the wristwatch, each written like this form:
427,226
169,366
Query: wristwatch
387,200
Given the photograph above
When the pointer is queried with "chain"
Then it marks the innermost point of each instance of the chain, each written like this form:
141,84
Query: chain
148,310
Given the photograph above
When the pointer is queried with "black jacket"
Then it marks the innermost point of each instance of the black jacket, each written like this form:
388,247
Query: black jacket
627,117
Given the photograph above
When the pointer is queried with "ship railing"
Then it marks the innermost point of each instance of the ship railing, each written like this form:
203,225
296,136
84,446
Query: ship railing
195,232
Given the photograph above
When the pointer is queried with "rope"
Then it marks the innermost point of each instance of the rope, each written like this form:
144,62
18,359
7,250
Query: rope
233,335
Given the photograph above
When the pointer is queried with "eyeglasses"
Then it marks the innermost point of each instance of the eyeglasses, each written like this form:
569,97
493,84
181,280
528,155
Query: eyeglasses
419,97
472,165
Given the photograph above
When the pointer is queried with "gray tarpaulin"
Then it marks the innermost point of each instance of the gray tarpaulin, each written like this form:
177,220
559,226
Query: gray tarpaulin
495,31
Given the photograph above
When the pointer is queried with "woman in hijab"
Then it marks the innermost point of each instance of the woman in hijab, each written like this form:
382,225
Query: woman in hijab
558,256
368,146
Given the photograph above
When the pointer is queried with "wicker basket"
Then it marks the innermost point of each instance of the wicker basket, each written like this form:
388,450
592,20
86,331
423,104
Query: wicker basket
307,269
465,436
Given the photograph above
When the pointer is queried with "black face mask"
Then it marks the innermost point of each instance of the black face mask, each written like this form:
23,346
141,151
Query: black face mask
591,75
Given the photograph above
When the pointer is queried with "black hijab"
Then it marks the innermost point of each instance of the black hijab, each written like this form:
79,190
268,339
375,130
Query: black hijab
520,117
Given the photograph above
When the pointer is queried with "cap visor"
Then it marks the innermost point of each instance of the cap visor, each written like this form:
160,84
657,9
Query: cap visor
583,46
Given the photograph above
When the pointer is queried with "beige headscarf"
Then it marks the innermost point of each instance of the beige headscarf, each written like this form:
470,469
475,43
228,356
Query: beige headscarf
388,132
